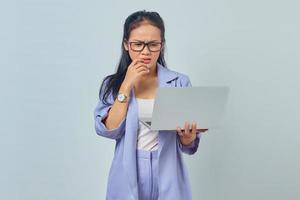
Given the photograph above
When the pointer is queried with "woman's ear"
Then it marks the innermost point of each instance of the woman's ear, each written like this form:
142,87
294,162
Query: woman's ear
125,45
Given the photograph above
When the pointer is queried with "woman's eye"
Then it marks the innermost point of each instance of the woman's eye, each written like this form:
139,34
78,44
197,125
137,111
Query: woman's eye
154,44
138,44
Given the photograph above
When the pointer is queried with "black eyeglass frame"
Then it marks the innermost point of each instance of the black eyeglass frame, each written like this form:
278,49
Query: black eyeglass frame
145,44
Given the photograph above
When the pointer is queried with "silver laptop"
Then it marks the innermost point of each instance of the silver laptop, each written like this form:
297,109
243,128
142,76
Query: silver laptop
174,105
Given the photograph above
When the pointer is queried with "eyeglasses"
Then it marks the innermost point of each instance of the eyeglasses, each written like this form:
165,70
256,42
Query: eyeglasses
139,46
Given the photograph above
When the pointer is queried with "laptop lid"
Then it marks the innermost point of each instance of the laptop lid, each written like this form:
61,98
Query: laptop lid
175,105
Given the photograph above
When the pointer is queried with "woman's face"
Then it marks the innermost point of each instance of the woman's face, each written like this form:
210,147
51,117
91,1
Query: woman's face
149,34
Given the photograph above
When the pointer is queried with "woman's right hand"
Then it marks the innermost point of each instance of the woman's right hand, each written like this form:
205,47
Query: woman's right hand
136,69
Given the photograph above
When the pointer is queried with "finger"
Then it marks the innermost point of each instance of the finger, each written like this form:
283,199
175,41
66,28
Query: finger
143,70
179,131
190,129
140,65
186,129
194,128
142,73
137,61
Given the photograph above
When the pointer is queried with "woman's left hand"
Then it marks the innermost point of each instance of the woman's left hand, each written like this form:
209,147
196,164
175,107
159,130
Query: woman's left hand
188,135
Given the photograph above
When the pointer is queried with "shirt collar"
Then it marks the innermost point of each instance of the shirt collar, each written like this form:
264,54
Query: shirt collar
165,75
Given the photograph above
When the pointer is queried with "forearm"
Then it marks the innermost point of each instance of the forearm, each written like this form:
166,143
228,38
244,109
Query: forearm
118,110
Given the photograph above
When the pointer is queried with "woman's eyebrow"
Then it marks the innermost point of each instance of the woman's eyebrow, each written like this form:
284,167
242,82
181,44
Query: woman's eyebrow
146,41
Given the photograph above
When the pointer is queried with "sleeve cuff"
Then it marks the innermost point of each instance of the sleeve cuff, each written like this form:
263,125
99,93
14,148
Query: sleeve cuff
191,148
102,130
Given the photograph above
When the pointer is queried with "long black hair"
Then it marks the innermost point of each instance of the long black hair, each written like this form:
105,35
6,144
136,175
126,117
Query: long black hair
113,82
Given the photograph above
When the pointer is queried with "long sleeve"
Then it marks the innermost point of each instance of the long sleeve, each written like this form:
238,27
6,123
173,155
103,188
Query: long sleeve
100,113
192,148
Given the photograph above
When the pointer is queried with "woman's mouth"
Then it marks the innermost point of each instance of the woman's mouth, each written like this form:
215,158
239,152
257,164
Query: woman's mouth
147,60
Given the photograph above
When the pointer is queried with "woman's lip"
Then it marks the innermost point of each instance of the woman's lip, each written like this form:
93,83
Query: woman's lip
147,61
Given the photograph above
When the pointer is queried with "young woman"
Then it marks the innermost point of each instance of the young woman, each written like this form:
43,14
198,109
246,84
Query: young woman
147,164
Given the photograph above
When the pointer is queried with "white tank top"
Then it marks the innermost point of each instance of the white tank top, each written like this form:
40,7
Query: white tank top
147,139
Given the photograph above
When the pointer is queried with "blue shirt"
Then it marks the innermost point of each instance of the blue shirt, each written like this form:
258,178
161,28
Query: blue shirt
173,177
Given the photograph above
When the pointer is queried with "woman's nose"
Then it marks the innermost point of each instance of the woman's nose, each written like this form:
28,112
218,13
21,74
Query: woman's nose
146,50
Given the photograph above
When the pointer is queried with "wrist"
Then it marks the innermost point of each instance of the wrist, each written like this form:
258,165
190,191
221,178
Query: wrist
125,88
